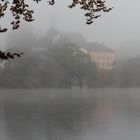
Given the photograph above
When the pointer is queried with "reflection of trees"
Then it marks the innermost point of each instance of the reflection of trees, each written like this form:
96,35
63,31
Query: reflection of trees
52,117
17,119
130,105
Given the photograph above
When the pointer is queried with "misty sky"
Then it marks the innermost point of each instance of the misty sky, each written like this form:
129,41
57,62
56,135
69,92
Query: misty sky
113,28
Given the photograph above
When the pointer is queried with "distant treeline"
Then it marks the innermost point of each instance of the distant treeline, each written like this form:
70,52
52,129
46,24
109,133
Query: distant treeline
62,65
59,63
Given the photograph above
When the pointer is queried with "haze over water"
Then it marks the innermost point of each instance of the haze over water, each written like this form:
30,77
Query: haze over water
100,114
53,60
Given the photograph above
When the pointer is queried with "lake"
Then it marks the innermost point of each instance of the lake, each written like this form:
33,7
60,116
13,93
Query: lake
87,114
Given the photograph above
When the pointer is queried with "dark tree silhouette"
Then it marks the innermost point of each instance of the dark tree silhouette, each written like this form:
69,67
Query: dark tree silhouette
20,9
9,55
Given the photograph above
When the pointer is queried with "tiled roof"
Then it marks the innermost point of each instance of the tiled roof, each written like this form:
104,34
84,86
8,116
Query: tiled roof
94,46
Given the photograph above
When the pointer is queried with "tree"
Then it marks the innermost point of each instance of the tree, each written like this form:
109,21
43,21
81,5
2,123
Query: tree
61,65
20,9
129,74
67,65
22,73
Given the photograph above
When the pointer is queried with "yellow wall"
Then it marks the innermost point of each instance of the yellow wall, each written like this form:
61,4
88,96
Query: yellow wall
104,60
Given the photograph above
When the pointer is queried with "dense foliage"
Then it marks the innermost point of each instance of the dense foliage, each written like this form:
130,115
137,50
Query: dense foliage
56,61
58,65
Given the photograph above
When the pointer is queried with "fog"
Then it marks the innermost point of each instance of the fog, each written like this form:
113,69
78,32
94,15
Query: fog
56,26
114,29
71,81
120,25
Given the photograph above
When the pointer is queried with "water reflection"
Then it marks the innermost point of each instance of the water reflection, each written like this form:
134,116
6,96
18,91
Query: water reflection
69,115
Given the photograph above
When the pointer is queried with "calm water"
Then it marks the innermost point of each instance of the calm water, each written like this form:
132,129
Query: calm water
100,114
